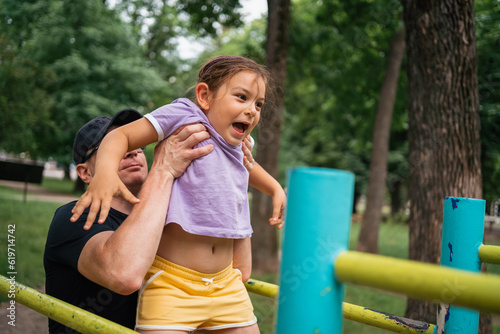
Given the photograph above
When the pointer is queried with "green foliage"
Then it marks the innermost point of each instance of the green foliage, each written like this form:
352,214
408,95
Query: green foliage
156,25
488,48
63,63
98,64
335,69
24,101
83,62
206,17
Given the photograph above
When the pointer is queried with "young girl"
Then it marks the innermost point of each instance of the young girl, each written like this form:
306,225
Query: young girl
192,284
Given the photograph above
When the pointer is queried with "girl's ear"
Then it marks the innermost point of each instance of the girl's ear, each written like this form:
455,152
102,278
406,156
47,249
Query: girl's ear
203,96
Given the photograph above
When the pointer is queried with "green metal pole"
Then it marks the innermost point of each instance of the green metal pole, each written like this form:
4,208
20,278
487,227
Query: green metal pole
262,288
356,313
67,314
386,321
489,254
420,280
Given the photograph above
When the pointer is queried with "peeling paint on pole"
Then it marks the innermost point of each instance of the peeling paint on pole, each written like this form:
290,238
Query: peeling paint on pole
463,229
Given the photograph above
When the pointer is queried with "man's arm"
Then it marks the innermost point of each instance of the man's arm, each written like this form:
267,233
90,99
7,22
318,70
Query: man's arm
119,259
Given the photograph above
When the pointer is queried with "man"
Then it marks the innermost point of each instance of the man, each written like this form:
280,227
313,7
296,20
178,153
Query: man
101,269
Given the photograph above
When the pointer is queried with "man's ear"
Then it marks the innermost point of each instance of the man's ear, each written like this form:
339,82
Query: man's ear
84,173
203,96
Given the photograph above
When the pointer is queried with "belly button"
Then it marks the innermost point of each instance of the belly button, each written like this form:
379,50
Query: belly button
213,249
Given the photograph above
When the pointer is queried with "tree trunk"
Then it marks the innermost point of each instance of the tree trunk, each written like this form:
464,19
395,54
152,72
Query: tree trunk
368,235
444,142
395,194
265,247
355,200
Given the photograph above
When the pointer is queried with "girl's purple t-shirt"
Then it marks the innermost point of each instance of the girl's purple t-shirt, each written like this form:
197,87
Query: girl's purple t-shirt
211,197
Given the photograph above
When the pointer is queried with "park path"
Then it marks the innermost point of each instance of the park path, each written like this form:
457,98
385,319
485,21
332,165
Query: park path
37,193
27,321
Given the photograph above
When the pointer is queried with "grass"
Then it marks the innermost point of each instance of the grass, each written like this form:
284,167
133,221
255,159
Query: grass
32,220
393,241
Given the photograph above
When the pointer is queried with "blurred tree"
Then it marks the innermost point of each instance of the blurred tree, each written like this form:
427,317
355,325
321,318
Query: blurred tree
64,63
160,24
91,65
207,18
24,101
444,122
336,61
265,248
488,46
156,25
368,235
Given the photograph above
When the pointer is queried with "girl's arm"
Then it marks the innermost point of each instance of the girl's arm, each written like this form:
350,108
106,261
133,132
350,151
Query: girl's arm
119,259
242,257
105,182
263,181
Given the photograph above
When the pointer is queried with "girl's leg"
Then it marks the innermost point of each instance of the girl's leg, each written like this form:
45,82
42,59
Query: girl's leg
162,332
253,329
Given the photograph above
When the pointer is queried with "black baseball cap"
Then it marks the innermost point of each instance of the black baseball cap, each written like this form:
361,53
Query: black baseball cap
94,131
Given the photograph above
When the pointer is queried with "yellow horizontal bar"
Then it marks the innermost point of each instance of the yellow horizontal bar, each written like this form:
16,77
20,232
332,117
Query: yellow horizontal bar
356,313
262,288
386,321
421,280
67,314
90,323
489,254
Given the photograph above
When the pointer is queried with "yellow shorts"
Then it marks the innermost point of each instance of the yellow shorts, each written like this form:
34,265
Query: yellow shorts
176,298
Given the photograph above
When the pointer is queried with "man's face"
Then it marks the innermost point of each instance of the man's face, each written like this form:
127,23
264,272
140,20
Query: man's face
132,171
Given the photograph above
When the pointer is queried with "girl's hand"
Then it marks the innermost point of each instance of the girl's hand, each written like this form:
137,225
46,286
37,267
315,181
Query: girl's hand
99,194
279,200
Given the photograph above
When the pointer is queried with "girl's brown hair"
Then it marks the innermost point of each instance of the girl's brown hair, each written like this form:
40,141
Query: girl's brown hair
219,69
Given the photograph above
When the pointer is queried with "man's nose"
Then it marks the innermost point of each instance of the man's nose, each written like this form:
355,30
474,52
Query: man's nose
130,154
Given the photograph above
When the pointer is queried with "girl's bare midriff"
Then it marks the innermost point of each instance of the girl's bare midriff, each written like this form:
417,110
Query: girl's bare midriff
201,253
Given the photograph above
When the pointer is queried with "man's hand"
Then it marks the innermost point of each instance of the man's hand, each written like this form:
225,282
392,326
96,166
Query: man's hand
176,152
248,160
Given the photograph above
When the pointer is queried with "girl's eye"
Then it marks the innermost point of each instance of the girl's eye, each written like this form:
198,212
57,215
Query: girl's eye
241,97
259,105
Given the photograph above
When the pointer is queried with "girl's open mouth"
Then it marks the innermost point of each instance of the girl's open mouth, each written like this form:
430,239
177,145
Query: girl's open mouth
240,127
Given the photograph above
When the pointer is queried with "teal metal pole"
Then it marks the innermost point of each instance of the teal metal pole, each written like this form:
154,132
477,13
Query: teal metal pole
463,229
318,219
